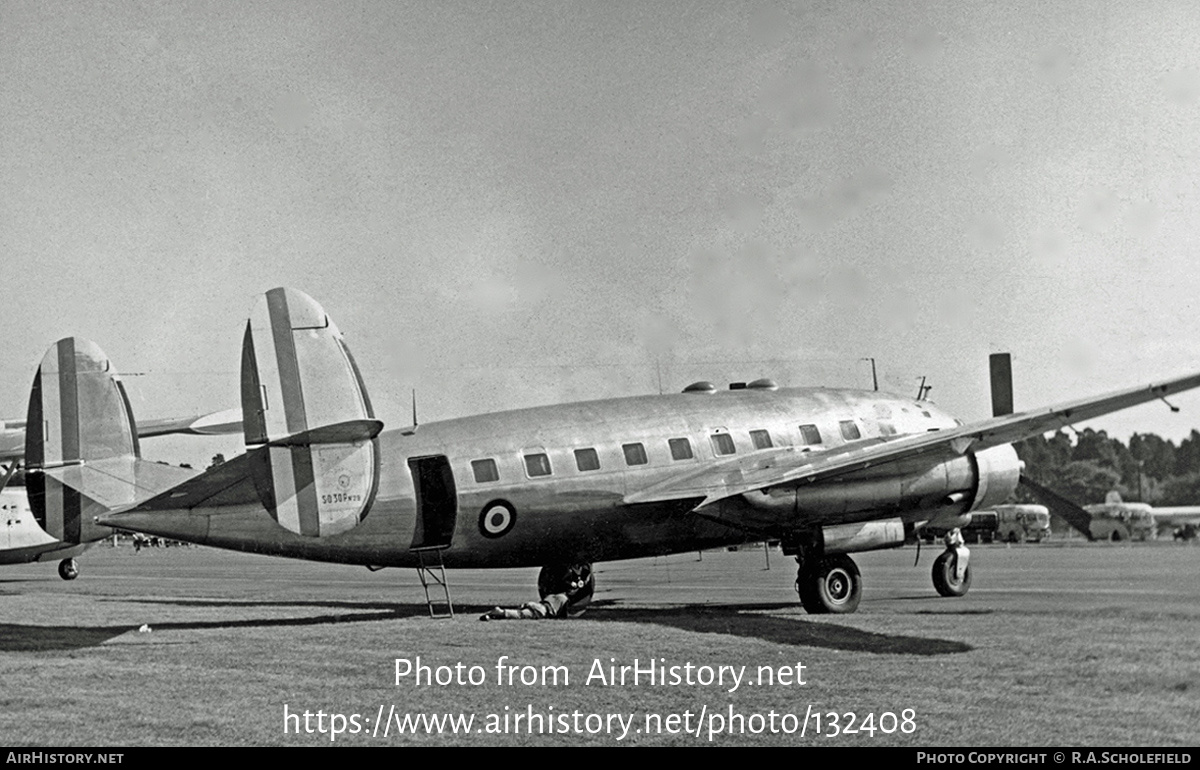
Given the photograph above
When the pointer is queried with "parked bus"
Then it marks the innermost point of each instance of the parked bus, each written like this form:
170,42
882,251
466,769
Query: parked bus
1022,523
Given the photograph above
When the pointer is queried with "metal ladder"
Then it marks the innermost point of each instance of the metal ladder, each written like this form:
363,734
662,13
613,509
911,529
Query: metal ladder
433,573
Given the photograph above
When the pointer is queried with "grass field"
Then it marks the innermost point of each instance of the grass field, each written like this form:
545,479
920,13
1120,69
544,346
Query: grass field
1079,645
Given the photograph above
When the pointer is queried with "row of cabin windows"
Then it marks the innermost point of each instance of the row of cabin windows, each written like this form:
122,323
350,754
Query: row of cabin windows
538,464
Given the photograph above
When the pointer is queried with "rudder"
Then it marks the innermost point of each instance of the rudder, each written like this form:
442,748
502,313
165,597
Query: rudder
78,414
304,399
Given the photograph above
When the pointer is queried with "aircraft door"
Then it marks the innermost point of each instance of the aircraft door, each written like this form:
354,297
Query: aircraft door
437,502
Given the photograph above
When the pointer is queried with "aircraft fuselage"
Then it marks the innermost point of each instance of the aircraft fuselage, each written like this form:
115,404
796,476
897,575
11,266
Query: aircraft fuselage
547,485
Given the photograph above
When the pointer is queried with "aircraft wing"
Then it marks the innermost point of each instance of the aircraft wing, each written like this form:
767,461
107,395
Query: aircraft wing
12,432
1176,515
12,443
791,466
228,421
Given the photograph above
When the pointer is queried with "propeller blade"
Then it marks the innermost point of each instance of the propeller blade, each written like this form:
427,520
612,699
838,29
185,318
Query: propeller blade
1000,365
1061,506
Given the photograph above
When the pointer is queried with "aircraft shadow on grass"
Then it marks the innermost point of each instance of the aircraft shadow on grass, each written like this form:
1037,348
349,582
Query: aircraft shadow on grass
16,637
22,638
744,620
740,621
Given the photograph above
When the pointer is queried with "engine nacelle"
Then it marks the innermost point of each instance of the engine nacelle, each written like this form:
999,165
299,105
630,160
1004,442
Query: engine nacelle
970,482
998,471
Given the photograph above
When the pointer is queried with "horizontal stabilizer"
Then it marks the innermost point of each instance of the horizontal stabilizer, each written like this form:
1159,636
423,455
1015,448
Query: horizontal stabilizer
214,424
118,482
229,483
316,508
342,432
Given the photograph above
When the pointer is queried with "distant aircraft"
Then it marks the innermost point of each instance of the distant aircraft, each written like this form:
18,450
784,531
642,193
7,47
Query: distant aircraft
1117,520
826,472
78,409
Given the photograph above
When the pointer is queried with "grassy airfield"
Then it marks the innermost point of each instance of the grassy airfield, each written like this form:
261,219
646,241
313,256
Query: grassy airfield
1054,645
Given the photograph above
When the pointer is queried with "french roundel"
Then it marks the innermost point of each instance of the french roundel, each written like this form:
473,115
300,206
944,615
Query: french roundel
497,518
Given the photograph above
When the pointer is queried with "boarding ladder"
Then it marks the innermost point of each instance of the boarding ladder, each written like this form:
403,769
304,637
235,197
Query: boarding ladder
433,575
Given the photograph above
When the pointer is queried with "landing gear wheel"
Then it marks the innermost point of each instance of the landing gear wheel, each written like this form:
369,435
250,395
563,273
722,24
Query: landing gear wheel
577,581
68,569
945,575
833,586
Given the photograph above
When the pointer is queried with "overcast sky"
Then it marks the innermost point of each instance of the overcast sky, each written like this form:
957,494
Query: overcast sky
517,203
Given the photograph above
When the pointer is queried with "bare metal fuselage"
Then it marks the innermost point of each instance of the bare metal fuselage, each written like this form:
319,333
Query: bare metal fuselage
572,515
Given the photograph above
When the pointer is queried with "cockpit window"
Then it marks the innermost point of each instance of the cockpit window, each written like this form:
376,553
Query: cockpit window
850,430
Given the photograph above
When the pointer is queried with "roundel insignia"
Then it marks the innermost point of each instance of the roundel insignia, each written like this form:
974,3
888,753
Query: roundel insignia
497,518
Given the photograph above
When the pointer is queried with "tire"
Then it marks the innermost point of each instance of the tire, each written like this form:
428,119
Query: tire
68,569
944,579
556,578
834,587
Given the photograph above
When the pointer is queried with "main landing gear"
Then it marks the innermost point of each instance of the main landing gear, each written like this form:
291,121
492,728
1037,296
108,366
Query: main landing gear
951,569
829,584
566,590
68,569
577,581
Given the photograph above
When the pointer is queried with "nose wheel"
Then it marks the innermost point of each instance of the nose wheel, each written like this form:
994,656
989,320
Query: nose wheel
831,586
948,579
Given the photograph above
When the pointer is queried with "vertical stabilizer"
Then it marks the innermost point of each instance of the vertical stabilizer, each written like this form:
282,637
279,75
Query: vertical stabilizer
298,382
78,416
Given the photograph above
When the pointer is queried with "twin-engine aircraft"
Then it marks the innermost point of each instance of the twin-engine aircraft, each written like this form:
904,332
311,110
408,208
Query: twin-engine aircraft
78,409
826,472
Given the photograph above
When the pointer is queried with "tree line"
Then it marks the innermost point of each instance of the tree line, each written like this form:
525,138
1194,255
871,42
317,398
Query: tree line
1149,469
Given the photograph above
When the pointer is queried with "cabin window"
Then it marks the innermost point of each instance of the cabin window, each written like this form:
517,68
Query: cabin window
761,439
537,465
681,448
587,460
809,434
850,430
887,429
723,444
485,471
635,454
